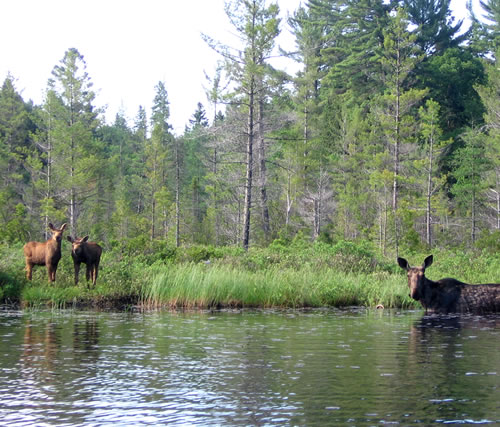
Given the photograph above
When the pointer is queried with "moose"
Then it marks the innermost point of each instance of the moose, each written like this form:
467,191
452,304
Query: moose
87,252
45,253
450,295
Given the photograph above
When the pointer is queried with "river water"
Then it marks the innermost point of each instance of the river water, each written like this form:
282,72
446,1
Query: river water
351,367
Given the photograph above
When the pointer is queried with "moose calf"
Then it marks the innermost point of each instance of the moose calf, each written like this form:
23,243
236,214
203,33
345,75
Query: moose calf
450,295
87,252
44,253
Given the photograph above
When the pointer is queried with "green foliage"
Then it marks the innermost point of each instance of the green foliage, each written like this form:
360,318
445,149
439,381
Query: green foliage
489,241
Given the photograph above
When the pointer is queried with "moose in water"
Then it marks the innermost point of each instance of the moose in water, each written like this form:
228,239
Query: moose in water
45,253
87,252
450,295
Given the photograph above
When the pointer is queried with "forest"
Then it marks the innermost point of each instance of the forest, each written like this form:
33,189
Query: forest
387,136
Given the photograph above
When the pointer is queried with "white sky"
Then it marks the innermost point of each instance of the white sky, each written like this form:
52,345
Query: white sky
128,45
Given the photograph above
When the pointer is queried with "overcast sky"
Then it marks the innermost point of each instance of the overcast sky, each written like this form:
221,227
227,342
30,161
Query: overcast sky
128,45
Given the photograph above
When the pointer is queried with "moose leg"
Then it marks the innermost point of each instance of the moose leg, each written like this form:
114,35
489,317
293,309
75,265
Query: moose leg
52,272
89,271
77,272
96,271
29,270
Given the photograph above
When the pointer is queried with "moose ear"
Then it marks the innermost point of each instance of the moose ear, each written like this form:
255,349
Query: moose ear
51,226
70,239
85,239
428,261
403,263
63,227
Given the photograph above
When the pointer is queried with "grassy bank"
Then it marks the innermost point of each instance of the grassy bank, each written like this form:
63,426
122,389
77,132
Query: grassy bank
293,275
195,285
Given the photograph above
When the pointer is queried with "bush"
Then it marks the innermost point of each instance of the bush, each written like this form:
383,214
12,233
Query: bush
489,241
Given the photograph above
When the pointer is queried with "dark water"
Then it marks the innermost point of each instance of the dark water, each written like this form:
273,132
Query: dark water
352,367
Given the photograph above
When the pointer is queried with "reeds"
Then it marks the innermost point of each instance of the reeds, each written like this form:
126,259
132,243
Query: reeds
198,285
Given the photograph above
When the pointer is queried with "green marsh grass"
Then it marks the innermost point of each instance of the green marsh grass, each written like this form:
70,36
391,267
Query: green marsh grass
198,285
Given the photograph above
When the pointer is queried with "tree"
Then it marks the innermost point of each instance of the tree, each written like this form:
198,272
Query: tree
257,27
41,162
353,37
471,166
215,94
15,146
156,151
74,121
310,31
435,30
398,58
490,95
433,144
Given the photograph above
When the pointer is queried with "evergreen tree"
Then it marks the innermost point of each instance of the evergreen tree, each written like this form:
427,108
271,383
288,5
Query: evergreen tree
435,30
433,146
399,58
490,95
15,145
74,122
41,162
196,162
471,167
156,152
258,27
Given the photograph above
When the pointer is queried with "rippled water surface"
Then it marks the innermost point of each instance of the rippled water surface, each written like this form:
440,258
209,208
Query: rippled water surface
325,367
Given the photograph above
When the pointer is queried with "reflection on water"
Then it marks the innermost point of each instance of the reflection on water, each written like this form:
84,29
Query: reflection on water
320,367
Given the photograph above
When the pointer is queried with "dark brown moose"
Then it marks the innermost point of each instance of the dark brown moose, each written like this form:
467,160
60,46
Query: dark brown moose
44,253
87,252
450,295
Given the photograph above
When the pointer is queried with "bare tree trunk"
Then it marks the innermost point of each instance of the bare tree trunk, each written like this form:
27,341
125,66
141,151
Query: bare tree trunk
177,194
249,167
473,218
289,200
318,206
72,201
428,217
48,194
498,197
397,137
216,216
153,198
263,172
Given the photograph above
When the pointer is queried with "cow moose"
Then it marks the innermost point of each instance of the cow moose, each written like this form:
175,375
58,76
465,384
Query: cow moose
450,295
45,253
87,252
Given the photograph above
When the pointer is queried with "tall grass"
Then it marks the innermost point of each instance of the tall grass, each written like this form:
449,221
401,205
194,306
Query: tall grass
198,285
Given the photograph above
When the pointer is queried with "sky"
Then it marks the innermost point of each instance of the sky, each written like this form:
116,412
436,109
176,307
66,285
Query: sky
129,46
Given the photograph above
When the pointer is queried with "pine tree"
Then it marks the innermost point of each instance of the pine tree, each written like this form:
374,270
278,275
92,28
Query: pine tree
156,152
435,30
258,27
74,121
398,59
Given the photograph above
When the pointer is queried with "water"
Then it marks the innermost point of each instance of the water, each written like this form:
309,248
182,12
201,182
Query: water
321,367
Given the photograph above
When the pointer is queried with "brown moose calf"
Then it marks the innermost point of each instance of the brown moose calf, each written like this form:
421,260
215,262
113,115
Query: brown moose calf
450,295
87,252
44,253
